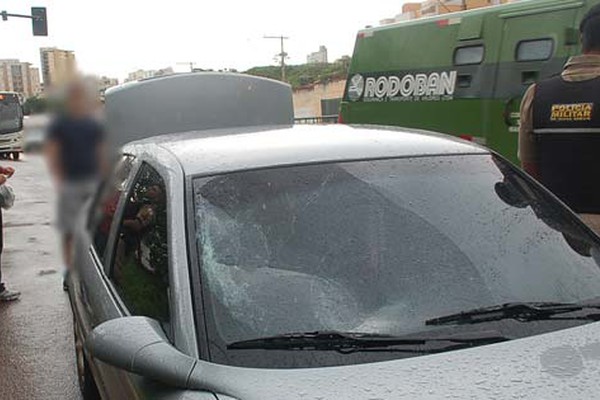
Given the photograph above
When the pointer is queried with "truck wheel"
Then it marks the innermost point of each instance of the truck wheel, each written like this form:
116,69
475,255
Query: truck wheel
16,155
89,390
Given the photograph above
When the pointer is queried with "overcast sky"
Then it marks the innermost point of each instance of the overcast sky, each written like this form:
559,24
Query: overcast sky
114,37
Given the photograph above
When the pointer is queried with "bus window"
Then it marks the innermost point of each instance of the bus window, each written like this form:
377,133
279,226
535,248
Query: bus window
468,55
534,50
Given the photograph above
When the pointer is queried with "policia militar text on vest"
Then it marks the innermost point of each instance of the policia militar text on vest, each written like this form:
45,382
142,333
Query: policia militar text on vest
566,122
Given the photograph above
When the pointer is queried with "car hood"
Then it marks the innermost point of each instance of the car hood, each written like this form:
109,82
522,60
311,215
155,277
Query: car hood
559,365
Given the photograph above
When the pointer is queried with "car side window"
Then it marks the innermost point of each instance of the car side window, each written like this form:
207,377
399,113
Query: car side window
141,261
105,204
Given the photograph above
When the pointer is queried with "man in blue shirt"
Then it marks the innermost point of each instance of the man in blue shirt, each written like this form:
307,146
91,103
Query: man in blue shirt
75,150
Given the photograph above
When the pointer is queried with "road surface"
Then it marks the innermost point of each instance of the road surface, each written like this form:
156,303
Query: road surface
37,358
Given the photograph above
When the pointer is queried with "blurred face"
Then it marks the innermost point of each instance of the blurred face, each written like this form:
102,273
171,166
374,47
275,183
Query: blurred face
77,101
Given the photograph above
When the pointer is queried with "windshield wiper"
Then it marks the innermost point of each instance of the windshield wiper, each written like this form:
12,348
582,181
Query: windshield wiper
523,312
349,342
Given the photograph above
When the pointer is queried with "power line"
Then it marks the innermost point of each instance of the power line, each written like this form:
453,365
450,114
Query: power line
283,55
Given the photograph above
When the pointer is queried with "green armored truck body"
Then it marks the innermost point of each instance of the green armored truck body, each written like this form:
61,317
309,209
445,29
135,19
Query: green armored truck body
461,73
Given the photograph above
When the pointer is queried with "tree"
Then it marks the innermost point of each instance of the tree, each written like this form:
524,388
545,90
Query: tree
35,105
306,74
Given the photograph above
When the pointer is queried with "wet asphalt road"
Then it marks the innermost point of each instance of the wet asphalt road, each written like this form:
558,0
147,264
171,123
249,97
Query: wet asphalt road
37,358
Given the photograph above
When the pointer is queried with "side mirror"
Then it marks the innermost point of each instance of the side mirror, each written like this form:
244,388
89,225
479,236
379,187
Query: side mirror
139,345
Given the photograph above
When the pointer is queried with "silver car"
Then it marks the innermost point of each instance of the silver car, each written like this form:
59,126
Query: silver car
331,262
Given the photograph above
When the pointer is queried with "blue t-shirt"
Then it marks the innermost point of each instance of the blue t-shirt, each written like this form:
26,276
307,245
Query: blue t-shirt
78,140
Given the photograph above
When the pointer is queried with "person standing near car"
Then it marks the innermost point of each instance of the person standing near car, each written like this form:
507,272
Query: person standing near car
5,294
559,136
75,151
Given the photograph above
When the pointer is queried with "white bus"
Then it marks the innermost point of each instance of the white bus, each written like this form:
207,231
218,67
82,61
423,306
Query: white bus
11,125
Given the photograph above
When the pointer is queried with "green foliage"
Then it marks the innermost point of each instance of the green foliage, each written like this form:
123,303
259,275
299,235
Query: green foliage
40,105
146,292
305,74
143,273
35,105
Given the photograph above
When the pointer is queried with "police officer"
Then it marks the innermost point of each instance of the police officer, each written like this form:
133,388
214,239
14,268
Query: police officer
559,137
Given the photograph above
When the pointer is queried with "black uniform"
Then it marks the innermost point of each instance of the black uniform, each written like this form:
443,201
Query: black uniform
566,125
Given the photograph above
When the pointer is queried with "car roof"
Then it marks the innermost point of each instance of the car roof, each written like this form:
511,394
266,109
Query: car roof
227,150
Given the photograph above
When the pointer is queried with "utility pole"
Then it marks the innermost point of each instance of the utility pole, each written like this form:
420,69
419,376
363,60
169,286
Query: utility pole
282,55
191,64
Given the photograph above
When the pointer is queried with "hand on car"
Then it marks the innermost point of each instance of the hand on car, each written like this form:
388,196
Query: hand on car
146,215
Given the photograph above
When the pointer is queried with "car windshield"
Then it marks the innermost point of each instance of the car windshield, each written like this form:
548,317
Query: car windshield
381,246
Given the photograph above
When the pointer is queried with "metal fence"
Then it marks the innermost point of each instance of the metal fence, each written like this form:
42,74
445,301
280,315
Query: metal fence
327,119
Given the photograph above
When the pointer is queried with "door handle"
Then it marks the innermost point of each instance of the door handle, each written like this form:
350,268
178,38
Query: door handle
508,106
464,80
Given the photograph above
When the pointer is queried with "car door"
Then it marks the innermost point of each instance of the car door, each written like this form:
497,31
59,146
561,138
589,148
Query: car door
138,268
535,45
89,289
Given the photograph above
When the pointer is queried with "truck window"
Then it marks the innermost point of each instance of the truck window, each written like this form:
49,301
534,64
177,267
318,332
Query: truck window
469,55
534,50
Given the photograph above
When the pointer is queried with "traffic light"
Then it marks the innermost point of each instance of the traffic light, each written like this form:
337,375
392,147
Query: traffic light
39,21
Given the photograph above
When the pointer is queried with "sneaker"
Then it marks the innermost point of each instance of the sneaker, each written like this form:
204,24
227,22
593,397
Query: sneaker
9,295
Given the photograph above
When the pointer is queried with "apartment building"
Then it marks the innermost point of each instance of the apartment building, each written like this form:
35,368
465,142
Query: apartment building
20,77
318,57
58,66
145,74
429,8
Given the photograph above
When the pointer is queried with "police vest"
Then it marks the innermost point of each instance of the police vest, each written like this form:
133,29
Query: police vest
566,125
